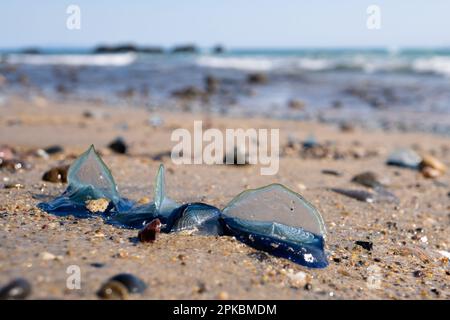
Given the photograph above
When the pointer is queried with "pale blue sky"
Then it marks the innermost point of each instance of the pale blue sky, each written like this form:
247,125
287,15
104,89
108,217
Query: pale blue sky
234,23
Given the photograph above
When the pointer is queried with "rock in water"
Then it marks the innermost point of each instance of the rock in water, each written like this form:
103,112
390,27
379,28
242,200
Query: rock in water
279,221
405,158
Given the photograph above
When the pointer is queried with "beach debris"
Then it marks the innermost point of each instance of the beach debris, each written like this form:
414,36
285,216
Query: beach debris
148,233
14,186
97,205
310,142
211,84
13,165
296,104
405,158
131,282
6,153
257,78
17,289
367,245
188,93
379,194
431,167
331,172
359,195
156,121
279,221
113,290
56,174
53,149
272,218
367,179
118,145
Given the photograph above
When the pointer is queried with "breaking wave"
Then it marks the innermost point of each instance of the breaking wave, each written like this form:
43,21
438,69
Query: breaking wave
122,59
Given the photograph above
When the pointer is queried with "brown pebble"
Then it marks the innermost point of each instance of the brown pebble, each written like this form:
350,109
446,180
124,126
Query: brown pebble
431,173
223,295
430,161
56,174
148,233
113,290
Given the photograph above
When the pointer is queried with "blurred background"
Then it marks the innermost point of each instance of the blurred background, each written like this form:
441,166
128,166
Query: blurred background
381,64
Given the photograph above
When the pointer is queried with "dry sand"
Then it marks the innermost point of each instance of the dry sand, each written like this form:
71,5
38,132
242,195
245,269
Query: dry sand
406,237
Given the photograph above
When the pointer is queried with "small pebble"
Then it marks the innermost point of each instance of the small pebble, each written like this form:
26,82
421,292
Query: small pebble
17,289
365,244
223,295
148,233
97,205
118,146
131,282
113,290
56,174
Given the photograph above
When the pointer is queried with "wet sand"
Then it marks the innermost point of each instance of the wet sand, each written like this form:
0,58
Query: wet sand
404,263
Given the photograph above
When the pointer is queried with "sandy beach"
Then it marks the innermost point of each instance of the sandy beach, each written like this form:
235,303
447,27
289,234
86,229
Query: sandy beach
406,261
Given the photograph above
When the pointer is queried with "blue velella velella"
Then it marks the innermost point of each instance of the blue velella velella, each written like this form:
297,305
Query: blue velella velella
89,179
272,218
199,218
161,207
278,220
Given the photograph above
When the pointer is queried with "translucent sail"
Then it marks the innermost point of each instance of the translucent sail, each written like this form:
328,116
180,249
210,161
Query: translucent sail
279,221
278,204
89,178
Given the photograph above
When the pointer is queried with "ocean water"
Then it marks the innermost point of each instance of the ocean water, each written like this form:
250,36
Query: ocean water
398,89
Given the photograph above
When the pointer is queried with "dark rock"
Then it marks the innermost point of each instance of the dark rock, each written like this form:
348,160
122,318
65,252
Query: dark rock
13,165
356,194
211,84
31,51
331,172
56,174
257,78
189,92
54,149
97,264
218,49
367,179
296,104
131,282
150,230
368,245
113,290
418,274
116,49
17,289
118,146
151,50
190,48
